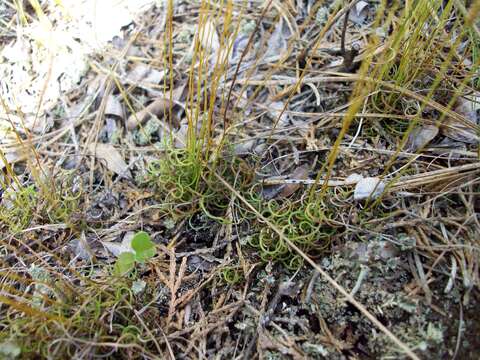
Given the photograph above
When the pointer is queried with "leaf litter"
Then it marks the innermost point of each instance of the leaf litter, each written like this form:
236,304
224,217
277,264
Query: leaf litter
208,292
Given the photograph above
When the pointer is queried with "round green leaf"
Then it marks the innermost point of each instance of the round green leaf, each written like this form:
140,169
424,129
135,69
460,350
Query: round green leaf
143,246
125,263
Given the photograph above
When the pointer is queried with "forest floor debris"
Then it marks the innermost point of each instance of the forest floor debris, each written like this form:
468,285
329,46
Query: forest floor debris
174,200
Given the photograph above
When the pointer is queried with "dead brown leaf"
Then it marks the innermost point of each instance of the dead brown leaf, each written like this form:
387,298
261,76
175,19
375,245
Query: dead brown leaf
114,107
286,189
459,132
157,108
421,137
112,157
300,173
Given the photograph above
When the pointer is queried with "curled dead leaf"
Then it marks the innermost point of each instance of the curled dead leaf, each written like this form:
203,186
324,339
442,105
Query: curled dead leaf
154,77
370,187
114,107
112,157
239,46
157,108
300,173
138,72
288,188
277,44
275,110
421,137
468,108
359,12
118,248
81,248
208,37
10,158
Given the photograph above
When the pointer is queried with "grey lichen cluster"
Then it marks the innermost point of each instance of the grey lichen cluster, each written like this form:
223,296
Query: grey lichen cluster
383,292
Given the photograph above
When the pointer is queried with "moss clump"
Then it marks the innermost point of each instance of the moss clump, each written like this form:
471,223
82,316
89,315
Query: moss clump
24,206
18,208
65,317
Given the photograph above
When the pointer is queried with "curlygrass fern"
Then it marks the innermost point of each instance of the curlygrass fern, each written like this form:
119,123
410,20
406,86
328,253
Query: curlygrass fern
304,222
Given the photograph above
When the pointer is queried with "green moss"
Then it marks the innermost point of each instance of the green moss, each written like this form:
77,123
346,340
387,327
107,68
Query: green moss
44,202
78,315
18,208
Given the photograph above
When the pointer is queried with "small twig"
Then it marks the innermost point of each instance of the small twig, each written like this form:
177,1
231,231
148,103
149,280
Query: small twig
169,347
311,286
459,332
453,276
344,32
286,288
422,278
363,274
